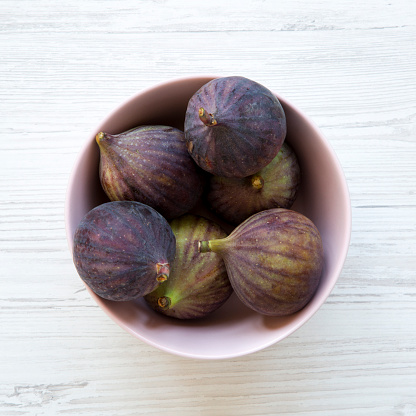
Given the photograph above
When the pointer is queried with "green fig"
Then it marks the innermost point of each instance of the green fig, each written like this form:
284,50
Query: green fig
274,260
123,250
198,283
151,165
274,186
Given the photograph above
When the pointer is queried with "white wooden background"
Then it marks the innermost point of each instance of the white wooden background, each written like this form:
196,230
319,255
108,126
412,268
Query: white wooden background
351,66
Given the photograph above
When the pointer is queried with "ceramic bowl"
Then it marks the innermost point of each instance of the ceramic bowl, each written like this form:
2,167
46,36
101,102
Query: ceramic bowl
233,330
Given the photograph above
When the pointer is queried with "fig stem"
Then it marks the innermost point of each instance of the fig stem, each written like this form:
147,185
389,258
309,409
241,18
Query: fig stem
207,118
162,271
162,277
164,302
204,246
217,245
257,181
99,137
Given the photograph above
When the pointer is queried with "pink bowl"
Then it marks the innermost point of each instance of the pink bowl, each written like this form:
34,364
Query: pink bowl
233,330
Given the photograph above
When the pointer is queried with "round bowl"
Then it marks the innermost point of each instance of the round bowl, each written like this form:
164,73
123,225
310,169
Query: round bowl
233,330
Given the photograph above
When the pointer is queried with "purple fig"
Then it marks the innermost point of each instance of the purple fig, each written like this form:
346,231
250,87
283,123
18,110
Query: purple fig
234,126
274,260
274,186
123,250
198,283
150,164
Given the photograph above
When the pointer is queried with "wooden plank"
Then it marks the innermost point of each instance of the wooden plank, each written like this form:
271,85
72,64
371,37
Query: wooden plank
351,69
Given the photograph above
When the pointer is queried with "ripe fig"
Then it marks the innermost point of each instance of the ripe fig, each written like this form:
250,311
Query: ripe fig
123,250
150,164
198,283
234,126
274,260
274,186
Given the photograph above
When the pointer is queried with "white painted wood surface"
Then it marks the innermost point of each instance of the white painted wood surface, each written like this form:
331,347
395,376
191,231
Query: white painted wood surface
350,66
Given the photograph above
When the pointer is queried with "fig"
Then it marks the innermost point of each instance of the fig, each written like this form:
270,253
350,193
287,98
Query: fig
234,126
123,250
198,283
274,260
274,186
151,165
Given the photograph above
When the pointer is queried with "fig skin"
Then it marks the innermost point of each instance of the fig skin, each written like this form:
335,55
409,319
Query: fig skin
274,186
150,164
198,284
123,250
234,126
274,261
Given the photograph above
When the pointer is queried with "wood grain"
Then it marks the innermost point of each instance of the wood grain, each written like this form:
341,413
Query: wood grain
350,68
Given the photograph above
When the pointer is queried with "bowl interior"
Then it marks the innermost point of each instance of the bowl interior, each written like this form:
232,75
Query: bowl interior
233,330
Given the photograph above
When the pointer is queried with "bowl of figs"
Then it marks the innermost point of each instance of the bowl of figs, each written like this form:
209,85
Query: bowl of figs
208,216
